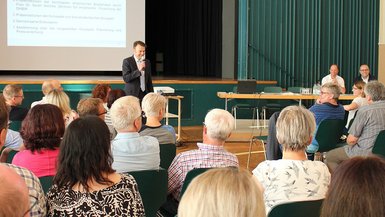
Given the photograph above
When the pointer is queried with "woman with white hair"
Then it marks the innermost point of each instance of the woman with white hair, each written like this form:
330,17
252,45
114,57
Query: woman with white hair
294,177
154,107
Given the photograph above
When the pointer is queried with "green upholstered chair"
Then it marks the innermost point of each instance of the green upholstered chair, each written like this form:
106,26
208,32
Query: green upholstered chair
311,208
15,125
239,105
46,182
190,176
271,105
328,134
7,155
379,144
294,89
167,154
152,185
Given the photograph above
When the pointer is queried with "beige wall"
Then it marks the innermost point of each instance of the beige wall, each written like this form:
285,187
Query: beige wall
381,44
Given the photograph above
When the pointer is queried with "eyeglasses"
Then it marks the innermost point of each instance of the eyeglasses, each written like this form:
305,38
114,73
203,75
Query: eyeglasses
142,115
20,96
33,205
321,93
103,113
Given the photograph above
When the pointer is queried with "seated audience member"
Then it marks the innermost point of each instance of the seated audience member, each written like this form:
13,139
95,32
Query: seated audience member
111,97
154,106
294,178
46,87
37,202
225,192
360,100
61,100
356,189
217,128
334,78
13,140
36,194
101,91
13,95
41,131
368,123
365,75
326,107
91,106
13,194
86,184
56,85
131,151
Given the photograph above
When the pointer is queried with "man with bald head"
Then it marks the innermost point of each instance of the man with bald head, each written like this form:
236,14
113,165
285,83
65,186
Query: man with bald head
14,198
46,88
365,75
334,78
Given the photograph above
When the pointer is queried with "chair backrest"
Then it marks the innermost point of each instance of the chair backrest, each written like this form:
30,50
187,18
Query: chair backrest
46,182
272,89
167,154
379,144
7,155
15,125
294,89
152,185
309,208
329,133
190,176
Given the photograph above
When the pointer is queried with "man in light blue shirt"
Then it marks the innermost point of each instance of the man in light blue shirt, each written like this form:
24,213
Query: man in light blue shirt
13,140
130,151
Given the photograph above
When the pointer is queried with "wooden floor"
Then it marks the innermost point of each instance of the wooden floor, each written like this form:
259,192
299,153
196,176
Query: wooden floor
238,143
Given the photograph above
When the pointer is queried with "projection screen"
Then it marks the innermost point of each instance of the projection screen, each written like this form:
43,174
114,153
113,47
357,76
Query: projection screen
67,35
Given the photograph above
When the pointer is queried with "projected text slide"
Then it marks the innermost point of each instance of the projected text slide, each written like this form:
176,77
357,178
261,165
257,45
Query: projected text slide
66,23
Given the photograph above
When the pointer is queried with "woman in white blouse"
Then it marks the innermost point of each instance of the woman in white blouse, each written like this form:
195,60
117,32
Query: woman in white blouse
294,177
360,100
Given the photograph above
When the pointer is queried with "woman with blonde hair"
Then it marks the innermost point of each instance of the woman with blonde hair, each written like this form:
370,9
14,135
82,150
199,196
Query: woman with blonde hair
360,100
61,100
225,192
294,177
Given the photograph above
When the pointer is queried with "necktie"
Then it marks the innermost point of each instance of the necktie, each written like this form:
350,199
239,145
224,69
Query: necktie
142,83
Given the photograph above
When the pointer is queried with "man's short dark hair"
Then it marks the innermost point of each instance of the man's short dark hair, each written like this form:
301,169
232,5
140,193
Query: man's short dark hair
141,43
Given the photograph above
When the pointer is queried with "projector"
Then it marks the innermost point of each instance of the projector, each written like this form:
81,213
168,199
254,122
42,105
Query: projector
164,90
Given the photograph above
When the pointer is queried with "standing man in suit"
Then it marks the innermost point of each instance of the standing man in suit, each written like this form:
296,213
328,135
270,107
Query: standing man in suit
137,72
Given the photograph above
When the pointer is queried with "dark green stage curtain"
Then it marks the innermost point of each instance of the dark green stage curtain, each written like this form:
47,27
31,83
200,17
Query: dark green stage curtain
188,33
295,41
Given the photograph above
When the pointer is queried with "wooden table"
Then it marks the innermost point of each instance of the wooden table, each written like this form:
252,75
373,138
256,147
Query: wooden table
270,96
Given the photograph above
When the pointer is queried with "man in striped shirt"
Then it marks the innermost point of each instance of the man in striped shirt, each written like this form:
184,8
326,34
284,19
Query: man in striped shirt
217,128
369,121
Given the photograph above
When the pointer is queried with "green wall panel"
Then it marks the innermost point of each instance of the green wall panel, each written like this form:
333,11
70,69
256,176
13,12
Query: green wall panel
295,41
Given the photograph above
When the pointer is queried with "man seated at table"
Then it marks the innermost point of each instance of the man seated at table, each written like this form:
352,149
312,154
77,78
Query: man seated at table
334,78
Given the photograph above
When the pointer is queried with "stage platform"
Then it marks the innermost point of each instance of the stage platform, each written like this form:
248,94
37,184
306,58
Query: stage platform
95,79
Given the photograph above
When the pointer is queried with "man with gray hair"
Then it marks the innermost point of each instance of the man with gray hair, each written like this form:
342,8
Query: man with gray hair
368,123
91,106
130,151
326,107
13,95
217,128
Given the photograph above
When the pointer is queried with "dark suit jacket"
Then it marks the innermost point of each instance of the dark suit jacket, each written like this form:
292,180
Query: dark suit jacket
131,76
371,78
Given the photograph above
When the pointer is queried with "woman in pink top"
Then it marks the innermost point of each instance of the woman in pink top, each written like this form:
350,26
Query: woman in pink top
41,132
